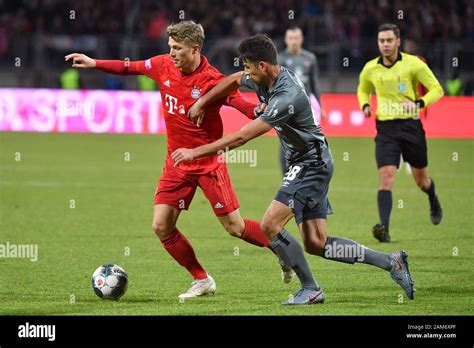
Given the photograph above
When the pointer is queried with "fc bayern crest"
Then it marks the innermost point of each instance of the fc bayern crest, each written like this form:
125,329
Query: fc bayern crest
196,92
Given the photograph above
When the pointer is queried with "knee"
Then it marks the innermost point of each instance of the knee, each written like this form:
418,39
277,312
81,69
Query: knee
386,180
315,245
269,228
162,228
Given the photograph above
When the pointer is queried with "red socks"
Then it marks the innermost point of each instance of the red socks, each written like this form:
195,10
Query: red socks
253,234
181,250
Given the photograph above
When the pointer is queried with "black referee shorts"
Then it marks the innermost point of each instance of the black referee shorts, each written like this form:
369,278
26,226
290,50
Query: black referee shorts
401,137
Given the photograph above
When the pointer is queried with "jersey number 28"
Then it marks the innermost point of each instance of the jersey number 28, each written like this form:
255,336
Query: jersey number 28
292,172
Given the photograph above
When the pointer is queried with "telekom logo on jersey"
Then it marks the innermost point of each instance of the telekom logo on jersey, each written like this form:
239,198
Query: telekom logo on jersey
172,103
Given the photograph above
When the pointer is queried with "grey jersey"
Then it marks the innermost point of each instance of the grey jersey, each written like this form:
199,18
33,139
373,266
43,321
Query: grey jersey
305,65
289,112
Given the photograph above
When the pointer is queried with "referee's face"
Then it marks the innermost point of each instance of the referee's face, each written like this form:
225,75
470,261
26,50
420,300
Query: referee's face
388,43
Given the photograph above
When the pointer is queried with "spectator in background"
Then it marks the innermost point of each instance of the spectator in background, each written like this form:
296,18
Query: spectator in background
70,79
454,85
4,39
146,84
469,87
345,25
156,28
113,82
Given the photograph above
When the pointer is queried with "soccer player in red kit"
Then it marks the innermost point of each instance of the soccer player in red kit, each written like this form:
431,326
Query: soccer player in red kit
183,76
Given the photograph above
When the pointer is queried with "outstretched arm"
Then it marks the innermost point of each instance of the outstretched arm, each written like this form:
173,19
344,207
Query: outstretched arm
116,67
250,131
227,85
238,101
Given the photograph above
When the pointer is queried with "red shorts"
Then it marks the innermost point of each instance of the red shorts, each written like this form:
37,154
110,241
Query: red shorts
177,189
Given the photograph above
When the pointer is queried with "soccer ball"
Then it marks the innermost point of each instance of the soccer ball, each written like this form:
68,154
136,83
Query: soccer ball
109,282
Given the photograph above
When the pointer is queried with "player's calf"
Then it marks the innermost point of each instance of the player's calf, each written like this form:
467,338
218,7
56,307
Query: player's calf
315,246
245,229
423,183
235,226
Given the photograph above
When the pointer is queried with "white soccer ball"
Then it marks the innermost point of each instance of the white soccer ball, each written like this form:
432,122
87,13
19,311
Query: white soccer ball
109,282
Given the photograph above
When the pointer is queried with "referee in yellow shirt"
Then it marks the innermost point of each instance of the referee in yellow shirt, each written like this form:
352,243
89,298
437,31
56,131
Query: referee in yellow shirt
394,76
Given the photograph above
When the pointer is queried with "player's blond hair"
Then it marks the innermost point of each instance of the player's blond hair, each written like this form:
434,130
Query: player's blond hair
189,32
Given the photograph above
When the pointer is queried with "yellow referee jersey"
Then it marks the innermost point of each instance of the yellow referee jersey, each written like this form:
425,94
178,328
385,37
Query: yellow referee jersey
397,84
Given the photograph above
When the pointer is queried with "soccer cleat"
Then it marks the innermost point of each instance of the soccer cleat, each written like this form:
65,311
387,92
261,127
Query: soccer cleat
436,212
200,287
401,274
287,273
380,233
305,297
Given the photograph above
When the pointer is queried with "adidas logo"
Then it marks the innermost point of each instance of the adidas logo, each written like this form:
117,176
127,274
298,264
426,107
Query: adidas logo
167,83
218,205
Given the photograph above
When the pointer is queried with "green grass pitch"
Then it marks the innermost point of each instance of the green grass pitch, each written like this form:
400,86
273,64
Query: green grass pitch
112,216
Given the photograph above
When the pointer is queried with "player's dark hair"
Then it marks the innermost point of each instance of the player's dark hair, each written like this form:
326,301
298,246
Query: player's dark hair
258,48
390,26
294,28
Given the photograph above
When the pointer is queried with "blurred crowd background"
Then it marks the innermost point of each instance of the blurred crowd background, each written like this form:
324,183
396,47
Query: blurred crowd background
36,34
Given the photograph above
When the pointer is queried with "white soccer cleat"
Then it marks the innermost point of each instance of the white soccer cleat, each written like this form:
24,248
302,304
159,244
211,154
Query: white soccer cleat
287,273
200,287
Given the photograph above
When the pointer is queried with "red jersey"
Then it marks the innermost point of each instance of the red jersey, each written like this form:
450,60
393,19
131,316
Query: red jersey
178,93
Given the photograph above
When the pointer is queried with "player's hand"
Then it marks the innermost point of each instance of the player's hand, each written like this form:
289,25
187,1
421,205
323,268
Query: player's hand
367,111
80,60
259,109
196,113
409,106
182,155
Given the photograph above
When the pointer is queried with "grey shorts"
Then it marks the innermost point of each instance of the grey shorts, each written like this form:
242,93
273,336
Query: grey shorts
304,190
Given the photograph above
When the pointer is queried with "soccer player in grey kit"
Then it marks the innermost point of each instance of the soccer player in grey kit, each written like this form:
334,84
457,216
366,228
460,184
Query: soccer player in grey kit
304,64
304,189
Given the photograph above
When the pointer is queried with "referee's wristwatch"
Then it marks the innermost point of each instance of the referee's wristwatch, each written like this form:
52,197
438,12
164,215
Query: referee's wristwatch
420,103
